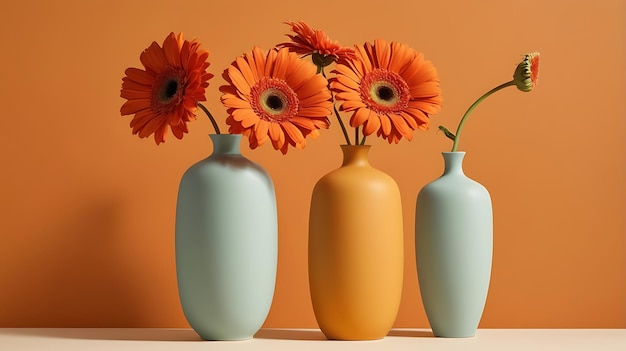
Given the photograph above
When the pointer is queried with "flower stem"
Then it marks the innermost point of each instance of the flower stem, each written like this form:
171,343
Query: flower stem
217,129
320,69
472,107
343,128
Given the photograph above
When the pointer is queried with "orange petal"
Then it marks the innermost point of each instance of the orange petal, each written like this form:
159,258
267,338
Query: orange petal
238,80
153,58
372,124
172,50
260,131
140,76
132,106
359,117
276,134
245,70
383,54
131,94
293,132
314,111
350,105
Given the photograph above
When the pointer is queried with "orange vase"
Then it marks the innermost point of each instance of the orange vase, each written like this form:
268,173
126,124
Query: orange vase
356,254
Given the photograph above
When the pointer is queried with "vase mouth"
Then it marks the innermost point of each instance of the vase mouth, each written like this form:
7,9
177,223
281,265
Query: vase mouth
222,135
453,152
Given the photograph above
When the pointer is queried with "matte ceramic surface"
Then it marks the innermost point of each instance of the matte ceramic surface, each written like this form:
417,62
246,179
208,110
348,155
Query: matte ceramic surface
226,243
453,244
356,254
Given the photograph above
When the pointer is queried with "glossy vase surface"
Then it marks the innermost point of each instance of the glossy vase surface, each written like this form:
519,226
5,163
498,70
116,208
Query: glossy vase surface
226,243
355,249
453,248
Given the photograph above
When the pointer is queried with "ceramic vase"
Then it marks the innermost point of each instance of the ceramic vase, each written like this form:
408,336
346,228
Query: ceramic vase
226,243
453,248
355,249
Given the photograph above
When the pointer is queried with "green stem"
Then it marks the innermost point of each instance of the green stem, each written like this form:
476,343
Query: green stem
343,128
356,135
363,140
320,69
472,107
217,129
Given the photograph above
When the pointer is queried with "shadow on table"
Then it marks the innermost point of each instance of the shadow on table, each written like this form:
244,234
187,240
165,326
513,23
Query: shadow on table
290,334
412,333
137,334
179,334
315,334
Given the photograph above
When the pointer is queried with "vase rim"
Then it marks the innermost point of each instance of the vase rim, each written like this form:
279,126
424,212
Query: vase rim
225,134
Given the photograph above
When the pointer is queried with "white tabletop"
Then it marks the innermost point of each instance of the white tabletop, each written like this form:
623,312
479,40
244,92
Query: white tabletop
21,339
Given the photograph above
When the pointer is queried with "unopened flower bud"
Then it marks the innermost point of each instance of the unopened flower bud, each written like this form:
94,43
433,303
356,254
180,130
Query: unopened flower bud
526,73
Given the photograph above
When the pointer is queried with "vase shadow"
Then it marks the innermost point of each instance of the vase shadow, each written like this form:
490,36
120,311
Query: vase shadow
412,333
290,334
128,334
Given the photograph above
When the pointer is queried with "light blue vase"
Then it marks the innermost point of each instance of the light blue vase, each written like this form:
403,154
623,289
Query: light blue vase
226,243
453,249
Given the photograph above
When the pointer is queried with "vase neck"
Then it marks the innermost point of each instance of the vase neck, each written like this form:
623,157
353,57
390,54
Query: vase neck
355,155
453,162
226,144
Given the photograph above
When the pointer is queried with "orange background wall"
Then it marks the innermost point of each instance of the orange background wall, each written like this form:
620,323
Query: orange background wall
87,209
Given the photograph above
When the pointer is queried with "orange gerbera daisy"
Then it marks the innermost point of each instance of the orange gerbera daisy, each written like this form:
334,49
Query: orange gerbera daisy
309,41
167,91
389,88
277,96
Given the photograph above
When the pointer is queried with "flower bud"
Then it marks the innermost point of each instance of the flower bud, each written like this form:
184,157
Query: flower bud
526,73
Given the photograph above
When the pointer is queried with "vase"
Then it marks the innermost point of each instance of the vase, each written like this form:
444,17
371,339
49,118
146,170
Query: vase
453,249
226,243
355,249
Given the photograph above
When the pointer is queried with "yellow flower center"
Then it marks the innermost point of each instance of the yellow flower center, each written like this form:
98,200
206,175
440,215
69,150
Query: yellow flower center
273,100
384,91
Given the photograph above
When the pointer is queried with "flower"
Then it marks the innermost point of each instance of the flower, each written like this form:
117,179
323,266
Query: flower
525,79
309,41
167,91
276,96
390,89
527,72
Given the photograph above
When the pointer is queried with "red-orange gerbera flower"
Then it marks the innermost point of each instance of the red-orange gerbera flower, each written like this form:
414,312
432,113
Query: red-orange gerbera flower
167,91
277,95
309,41
389,88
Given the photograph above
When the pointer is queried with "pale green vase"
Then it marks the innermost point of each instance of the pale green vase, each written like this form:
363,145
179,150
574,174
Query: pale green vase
453,249
226,243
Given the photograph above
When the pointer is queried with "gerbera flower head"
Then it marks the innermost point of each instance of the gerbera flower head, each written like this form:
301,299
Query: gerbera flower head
309,41
390,89
276,96
527,72
165,94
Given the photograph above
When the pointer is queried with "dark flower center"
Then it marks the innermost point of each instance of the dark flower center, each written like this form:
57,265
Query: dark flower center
384,91
168,90
273,100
